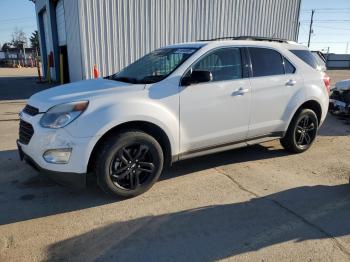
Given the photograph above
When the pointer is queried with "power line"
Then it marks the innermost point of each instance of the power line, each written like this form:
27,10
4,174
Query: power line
330,27
13,28
17,22
326,42
326,9
16,26
326,21
328,12
17,18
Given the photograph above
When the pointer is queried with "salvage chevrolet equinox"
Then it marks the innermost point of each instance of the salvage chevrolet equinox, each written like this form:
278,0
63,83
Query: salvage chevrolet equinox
177,102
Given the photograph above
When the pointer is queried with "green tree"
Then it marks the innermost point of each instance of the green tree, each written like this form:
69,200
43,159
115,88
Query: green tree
6,46
34,41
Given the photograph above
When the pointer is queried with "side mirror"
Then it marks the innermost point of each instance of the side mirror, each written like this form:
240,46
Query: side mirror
200,76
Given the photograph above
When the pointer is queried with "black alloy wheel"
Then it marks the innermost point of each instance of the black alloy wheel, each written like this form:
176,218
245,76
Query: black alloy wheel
305,131
133,166
129,163
301,132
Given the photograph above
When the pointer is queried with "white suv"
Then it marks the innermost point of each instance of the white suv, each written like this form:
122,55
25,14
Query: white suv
177,102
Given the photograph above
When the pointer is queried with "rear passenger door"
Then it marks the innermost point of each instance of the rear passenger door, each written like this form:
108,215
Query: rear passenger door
274,82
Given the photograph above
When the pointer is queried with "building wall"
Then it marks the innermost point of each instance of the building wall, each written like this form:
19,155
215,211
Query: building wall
51,42
40,7
71,11
112,34
115,33
338,61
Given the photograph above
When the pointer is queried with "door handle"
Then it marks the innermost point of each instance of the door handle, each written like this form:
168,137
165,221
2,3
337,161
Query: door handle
240,91
291,82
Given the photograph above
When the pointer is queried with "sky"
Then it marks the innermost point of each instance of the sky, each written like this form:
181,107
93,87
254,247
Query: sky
16,13
332,32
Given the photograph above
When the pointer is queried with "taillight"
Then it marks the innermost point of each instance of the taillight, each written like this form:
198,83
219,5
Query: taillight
327,82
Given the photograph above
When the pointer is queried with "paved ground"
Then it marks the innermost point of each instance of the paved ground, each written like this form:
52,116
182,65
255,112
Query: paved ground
337,75
252,204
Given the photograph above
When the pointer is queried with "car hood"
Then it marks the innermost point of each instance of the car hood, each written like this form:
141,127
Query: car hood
82,90
343,85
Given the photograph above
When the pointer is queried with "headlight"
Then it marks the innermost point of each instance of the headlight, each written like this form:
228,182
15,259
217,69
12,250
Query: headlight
61,115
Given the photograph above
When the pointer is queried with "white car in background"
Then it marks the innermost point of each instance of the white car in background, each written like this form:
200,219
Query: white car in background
177,102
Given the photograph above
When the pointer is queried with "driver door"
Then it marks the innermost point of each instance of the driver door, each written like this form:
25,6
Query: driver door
215,113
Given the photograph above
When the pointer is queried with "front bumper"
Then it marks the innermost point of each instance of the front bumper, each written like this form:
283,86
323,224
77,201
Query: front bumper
64,178
43,139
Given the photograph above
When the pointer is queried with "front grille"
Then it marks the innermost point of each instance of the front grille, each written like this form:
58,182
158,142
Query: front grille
31,110
26,132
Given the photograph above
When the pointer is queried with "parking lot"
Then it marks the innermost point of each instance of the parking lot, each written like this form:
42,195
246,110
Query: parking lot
252,204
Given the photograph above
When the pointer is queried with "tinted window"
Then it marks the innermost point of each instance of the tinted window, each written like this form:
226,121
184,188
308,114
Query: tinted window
289,68
224,64
320,59
154,66
306,56
266,62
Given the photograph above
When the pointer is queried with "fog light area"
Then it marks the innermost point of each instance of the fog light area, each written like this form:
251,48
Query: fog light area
57,156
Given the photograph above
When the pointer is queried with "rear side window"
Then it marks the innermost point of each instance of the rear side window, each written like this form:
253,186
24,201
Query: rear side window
306,56
224,64
266,62
290,69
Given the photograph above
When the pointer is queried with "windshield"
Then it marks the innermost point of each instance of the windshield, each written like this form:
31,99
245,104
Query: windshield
154,66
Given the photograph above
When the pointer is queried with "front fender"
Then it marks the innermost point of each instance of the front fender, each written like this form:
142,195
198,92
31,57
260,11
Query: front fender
103,116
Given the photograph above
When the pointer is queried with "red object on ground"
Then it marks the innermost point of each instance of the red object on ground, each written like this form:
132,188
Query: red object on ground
96,73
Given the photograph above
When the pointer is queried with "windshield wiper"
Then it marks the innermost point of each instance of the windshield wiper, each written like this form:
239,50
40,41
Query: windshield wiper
152,79
125,79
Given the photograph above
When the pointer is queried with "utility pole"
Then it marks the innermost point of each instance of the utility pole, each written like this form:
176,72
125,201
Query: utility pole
310,29
347,47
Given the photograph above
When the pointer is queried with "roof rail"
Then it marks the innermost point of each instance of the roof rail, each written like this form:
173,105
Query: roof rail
254,38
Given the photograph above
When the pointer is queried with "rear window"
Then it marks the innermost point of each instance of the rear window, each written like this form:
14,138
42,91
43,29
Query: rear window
266,62
306,56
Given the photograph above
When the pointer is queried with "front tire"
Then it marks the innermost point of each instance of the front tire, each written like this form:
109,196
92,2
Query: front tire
129,164
301,132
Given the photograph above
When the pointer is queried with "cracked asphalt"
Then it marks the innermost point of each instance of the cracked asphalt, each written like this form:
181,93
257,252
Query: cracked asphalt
252,204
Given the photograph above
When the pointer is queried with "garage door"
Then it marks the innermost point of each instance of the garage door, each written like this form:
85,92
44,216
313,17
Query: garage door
46,31
61,25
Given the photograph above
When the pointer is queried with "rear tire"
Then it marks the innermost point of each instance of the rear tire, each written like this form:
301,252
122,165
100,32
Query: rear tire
129,163
301,132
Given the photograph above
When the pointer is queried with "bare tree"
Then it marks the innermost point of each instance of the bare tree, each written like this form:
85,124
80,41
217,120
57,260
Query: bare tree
19,38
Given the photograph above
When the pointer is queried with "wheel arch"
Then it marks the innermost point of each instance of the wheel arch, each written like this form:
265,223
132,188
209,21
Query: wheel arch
314,106
309,104
150,128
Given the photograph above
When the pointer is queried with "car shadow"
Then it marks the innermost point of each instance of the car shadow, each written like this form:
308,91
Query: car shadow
26,194
216,232
240,155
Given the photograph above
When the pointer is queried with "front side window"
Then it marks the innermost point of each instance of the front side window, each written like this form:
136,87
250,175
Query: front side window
266,62
154,66
224,64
